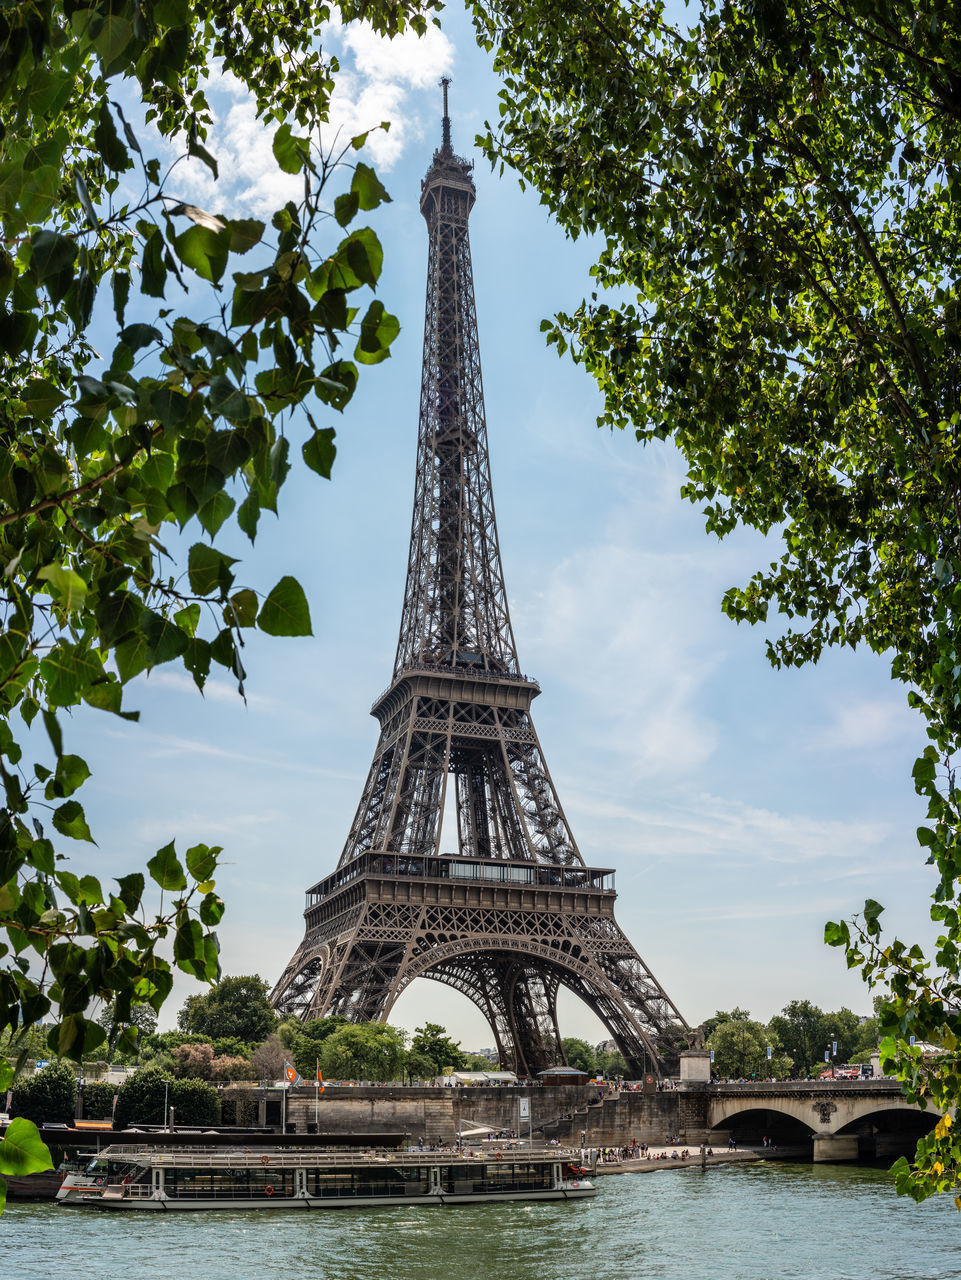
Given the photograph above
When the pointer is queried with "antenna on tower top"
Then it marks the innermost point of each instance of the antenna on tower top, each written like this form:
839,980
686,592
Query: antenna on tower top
446,144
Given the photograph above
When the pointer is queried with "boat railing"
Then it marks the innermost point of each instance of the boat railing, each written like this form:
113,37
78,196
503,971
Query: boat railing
136,1190
293,1159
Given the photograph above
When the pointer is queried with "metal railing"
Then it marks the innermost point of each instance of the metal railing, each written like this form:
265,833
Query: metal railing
191,1157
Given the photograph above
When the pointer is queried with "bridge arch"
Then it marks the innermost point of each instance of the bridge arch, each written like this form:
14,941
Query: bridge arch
870,1119
751,1120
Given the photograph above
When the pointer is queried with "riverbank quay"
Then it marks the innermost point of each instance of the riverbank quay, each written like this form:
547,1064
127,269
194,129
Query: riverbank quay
843,1120
437,1114
662,1158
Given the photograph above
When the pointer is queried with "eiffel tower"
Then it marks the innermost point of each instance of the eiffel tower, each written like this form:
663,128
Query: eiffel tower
514,914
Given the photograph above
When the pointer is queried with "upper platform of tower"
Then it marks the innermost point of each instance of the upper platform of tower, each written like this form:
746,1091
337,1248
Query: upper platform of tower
447,172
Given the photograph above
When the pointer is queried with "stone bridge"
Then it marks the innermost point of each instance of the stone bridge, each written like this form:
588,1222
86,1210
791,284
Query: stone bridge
845,1117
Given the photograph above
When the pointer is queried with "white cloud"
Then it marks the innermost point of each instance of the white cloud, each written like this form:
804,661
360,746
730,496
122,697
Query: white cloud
647,662
214,690
866,724
379,80
728,833
164,746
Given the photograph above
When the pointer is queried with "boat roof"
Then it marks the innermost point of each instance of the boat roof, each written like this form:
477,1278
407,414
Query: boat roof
228,1138
298,1158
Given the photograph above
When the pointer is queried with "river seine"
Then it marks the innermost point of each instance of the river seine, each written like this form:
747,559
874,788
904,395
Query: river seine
748,1222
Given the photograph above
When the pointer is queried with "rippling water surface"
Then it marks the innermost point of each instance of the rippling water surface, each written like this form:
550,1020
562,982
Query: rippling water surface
748,1222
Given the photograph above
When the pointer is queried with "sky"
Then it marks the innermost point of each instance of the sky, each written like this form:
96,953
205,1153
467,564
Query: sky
741,807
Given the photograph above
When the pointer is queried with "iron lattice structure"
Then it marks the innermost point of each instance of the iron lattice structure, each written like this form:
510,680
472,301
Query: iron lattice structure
514,913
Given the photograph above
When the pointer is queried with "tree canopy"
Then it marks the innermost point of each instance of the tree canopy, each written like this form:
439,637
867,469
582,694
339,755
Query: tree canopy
775,188
740,1047
579,1054
218,336
236,1007
364,1051
433,1042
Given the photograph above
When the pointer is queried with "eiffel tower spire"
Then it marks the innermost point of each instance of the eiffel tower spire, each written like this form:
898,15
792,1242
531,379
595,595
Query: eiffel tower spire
513,913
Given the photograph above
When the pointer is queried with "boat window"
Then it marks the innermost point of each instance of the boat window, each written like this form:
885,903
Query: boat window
507,1176
377,1180
228,1184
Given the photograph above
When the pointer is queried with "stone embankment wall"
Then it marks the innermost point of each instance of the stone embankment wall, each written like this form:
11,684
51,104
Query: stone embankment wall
435,1114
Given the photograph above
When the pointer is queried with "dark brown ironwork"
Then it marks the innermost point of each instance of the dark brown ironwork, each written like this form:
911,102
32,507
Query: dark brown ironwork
514,914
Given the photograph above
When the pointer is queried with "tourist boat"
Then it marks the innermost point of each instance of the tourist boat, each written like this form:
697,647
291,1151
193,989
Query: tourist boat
288,1178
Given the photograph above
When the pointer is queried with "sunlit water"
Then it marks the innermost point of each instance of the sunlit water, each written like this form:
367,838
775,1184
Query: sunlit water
748,1222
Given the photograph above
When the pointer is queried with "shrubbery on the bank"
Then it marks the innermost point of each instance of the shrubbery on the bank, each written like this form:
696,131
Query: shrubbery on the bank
141,1100
49,1097
98,1098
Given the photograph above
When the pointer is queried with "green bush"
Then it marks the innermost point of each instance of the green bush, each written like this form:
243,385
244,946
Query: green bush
197,1102
98,1098
49,1097
140,1100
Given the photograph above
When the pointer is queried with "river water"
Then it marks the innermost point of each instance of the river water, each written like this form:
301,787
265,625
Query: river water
746,1222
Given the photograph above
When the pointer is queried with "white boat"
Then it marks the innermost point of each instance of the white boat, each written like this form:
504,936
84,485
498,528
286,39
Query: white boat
164,1179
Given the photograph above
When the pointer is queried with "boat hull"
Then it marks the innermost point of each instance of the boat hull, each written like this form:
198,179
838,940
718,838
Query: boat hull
172,1204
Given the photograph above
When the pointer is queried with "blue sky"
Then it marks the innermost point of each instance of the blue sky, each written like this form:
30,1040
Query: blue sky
741,807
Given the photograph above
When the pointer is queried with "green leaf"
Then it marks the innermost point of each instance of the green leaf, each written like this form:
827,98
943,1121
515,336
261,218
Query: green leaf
21,1150
137,336
75,1037
68,670
285,611
377,331
202,861
188,617
244,233
71,773
54,733
204,251
320,451
120,286
290,152
209,570
51,254
132,656
165,640
131,890
211,910
165,869
69,820
42,398
112,151
368,188
66,587
248,514
836,935
195,148
243,609
345,207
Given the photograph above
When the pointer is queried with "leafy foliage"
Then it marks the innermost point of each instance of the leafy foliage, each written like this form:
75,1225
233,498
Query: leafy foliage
807,1033
740,1049
140,1100
308,1040
579,1054
364,1051
98,1096
434,1043
184,420
49,1096
776,191
236,1008
194,1061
